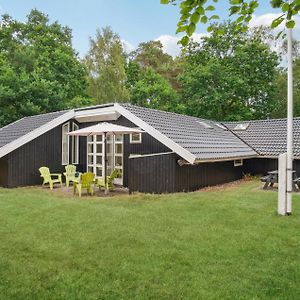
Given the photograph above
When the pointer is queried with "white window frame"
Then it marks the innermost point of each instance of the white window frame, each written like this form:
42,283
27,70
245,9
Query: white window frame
136,142
238,162
75,146
62,144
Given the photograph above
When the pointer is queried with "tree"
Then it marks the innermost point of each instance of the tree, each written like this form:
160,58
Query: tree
39,70
280,110
193,12
229,76
150,55
106,65
149,89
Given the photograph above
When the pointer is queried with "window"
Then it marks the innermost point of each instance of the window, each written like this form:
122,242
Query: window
135,138
65,144
204,124
238,162
241,126
75,146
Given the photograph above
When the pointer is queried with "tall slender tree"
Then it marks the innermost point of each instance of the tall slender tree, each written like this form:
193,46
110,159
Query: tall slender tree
105,62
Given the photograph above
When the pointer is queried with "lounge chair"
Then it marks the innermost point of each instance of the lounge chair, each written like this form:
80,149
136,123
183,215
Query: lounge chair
70,175
109,181
50,178
86,182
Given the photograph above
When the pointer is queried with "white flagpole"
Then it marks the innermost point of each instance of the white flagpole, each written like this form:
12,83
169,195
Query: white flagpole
289,187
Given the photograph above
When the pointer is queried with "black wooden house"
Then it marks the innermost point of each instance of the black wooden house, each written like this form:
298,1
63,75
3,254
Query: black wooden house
174,153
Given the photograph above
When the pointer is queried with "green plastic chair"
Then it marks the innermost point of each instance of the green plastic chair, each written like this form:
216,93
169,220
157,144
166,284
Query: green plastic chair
86,182
70,174
109,181
48,177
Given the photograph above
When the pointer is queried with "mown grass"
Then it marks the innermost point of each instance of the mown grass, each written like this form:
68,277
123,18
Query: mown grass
214,244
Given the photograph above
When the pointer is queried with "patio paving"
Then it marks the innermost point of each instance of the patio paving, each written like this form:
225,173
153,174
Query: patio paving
68,192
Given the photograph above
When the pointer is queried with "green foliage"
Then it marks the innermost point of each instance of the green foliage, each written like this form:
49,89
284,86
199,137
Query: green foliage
280,110
152,77
193,12
106,66
229,76
39,70
151,90
150,55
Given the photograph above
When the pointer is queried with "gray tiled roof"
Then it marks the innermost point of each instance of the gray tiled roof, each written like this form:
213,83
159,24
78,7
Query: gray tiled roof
268,137
190,133
13,131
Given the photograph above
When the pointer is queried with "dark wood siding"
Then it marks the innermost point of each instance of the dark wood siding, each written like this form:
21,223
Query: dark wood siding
193,177
261,166
3,171
24,162
152,174
161,173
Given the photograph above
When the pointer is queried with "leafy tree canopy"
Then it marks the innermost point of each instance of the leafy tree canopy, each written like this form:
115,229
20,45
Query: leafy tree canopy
203,11
150,89
151,55
39,70
106,65
229,76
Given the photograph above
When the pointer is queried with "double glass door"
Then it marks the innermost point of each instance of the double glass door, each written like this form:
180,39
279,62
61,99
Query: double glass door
96,154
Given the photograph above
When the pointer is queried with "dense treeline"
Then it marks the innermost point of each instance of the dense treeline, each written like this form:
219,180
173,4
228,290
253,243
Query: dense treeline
232,76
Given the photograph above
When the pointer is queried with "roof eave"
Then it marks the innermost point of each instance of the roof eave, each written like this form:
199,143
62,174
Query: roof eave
182,152
6,149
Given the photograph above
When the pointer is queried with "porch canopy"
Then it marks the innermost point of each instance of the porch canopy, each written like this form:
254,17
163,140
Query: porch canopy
104,129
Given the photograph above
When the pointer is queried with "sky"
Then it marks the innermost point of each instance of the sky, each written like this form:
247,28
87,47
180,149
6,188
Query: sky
134,20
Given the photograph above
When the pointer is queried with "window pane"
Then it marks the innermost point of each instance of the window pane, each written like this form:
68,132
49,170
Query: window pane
99,148
65,144
90,159
109,138
90,169
90,148
99,138
118,161
99,159
118,137
90,138
99,171
136,137
118,148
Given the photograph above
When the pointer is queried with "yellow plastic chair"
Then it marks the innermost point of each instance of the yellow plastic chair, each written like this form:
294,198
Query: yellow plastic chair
86,182
70,174
109,180
48,177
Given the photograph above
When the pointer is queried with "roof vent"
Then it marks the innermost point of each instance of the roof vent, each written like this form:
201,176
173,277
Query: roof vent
242,126
205,124
221,126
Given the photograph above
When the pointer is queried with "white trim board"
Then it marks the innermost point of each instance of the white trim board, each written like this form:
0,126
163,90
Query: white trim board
156,134
133,156
97,115
36,133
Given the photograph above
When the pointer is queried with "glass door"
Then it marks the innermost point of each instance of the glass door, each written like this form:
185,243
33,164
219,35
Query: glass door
95,155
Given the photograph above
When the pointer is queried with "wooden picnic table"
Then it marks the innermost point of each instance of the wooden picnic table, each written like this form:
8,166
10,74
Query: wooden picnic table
272,178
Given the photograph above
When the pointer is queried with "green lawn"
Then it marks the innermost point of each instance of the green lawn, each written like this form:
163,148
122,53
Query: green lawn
214,244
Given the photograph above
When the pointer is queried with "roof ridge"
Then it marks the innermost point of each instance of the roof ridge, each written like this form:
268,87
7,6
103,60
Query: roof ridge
262,120
169,112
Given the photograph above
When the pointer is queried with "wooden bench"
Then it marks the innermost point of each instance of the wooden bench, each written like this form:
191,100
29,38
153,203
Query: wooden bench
296,182
269,180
